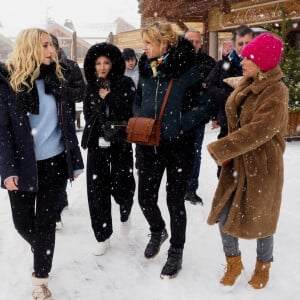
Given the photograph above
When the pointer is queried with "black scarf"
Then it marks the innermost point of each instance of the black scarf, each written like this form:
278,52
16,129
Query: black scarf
29,101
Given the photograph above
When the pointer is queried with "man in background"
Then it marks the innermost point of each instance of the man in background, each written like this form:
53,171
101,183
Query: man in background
75,86
228,67
197,92
131,65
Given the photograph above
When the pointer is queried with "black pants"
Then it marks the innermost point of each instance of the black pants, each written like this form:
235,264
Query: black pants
34,214
109,173
63,202
177,158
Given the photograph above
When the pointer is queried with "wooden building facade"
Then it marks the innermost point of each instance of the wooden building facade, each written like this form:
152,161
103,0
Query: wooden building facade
218,17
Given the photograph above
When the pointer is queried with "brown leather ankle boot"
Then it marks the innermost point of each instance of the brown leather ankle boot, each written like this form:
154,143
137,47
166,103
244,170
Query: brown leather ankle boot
260,275
233,270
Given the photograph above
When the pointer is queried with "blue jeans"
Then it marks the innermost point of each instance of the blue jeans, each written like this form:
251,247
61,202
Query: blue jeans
264,247
193,181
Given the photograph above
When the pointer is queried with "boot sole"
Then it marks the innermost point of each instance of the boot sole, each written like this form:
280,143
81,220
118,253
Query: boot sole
229,288
170,276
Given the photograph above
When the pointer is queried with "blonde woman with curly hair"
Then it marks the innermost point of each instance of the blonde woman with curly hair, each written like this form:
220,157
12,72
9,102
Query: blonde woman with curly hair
39,149
166,57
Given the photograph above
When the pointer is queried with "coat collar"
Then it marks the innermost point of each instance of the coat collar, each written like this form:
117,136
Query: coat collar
246,87
260,82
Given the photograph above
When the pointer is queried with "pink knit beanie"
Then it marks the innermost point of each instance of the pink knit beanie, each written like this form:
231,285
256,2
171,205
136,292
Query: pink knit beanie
264,50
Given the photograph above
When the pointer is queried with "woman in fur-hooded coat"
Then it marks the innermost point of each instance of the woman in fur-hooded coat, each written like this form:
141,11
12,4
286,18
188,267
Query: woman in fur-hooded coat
109,165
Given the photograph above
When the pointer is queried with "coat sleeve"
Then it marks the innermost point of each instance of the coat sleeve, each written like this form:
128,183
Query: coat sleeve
76,84
120,101
137,103
7,162
89,101
269,119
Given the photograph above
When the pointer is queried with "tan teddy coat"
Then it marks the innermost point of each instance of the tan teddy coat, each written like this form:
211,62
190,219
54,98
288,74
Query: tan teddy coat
257,113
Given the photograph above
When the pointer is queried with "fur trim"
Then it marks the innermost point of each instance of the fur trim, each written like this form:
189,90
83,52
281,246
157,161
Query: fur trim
108,50
179,60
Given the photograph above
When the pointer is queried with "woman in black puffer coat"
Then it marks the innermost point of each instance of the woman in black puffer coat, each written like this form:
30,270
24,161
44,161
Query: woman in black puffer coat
108,100
167,56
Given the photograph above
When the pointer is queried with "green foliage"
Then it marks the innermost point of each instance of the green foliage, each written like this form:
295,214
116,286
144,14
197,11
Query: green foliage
290,60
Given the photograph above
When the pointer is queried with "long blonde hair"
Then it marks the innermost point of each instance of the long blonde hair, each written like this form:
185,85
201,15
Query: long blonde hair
24,62
159,32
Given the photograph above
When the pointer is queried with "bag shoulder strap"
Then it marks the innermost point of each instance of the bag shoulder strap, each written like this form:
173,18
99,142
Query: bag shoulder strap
163,106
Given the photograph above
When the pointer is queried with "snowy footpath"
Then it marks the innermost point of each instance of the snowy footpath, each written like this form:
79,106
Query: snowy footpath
124,274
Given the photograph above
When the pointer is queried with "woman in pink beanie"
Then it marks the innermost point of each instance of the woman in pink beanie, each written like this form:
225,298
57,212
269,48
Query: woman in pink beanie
247,199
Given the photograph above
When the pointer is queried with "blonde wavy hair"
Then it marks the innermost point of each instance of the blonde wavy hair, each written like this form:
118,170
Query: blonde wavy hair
159,32
25,61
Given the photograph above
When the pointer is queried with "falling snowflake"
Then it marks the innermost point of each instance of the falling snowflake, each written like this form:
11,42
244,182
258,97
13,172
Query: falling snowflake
226,66
33,131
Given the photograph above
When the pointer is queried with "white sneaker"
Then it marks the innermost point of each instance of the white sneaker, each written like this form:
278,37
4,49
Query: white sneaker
125,227
102,247
40,289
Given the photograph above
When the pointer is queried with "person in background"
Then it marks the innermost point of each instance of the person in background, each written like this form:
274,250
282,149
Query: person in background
109,98
206,64
131,69
76,86
39,149
166,56
247,200
229,66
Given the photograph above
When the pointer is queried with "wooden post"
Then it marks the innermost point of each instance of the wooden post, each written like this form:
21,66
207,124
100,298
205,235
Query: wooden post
74,46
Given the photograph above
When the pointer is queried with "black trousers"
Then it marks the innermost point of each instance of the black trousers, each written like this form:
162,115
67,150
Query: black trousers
63,202
177,158
34,213
109,173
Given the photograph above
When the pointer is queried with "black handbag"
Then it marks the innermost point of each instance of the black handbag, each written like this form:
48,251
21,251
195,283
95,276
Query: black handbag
114,131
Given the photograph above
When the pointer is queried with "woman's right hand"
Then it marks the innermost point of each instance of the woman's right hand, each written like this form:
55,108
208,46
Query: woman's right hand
11,184
103,92
214,124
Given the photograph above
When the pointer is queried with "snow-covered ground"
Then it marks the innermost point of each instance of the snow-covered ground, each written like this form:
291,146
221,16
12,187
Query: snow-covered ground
124,274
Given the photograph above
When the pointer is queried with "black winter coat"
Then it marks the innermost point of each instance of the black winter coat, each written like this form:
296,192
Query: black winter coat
117,105
17,156
197,92
74,81
218,90
177,118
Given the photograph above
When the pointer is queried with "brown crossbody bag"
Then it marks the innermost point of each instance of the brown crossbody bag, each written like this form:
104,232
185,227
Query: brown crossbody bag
146,131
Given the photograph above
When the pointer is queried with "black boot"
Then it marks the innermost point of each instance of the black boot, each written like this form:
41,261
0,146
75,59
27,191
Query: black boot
193,198
173,264
157,238
125,211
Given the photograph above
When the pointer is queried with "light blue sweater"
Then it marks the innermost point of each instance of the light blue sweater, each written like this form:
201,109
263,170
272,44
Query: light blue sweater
46,132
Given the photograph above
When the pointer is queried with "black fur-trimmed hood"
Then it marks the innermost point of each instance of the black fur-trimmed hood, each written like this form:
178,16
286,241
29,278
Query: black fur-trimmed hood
178,60
108,50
